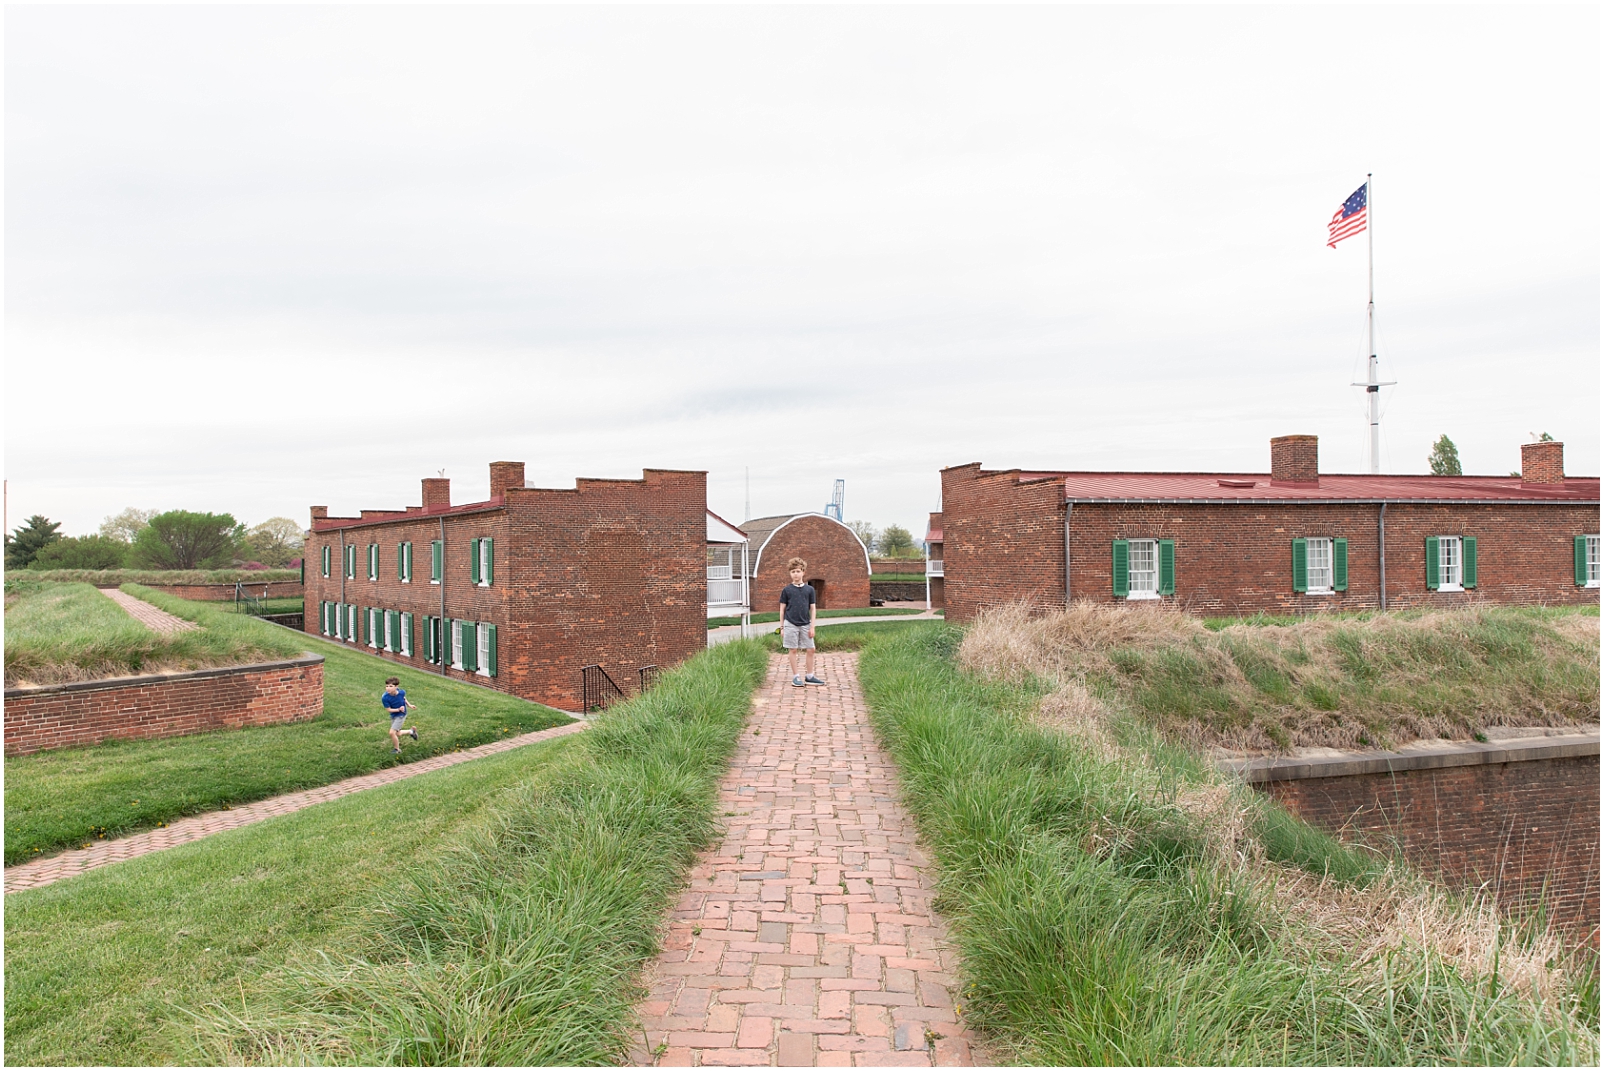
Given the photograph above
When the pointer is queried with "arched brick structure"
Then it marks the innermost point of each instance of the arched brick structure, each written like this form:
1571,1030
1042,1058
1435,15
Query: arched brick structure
838,564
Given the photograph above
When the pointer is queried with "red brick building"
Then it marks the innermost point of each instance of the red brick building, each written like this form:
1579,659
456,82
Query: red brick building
935,563
838,562
1291,541
523,590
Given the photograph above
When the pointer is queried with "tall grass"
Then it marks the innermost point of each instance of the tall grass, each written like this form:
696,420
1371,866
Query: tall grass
71,632
525,944
1114,902
106,578
1377,680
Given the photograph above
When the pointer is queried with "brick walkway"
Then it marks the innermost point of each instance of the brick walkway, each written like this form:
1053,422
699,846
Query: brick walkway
32,875
146,614
807,938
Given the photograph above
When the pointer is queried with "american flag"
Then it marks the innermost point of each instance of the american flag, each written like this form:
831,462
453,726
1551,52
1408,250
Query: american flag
1350,218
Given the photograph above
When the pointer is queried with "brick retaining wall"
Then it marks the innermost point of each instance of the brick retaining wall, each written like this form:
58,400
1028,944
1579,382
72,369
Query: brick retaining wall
1518,816
162,705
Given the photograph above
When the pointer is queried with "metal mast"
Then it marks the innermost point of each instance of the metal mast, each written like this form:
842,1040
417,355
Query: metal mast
1372,385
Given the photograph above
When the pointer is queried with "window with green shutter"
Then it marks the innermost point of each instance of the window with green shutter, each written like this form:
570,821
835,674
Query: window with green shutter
1122,568
490,650
452,643
1433,564
473,560
470,647
1300,565
1166,567
1339,565
408,627
428,639
373,561
328,556
436,561
1468,570
487,562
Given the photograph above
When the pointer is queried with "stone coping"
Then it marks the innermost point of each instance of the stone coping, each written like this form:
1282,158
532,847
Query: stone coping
306,659
1419,755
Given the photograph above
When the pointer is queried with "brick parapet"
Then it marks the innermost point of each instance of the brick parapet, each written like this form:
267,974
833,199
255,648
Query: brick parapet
154,706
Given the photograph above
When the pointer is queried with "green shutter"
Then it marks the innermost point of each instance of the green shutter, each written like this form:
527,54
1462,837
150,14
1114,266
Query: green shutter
428,638
435,555
1433,564
1122,568
409,633
1300,565
1339,565
409,561
326,558
473,560
303,570
1166,567
445,641
1468,570
1581,561
470,647
400,561
490,650
487,561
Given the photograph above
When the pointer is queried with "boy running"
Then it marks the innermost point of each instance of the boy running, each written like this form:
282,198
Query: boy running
396,705
798,607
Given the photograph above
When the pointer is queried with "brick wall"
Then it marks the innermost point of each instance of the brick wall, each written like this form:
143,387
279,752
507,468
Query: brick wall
611,573
276,589
1004,542
163,705
834,556
897,565
1525,829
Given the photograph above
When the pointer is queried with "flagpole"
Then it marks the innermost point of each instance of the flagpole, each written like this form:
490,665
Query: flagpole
1373,386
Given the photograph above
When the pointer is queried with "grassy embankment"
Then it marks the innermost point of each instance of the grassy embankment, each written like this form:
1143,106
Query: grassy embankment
60,799
772,616
287,605
71,632
118,577
1115,900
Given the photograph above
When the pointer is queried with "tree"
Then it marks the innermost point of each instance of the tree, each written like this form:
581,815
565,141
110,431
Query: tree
179,539
896,542
125,526
1444,458
864,531
23,545
275,541
82,552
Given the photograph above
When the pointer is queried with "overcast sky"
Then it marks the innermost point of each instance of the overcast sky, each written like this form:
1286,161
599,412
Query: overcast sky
261,258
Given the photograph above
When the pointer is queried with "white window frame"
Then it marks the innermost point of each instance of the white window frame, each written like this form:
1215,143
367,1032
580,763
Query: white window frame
375,615
406,635
456,644
1131,590
1450,563
405,552
1326,545
480,550
483,635
373,561
339,621
1592,561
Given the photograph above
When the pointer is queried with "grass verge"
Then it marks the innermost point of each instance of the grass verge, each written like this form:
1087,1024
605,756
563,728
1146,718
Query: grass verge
117,577
847,637
773,616
1115,903
71,632
99,967
59,799
524,944
291,605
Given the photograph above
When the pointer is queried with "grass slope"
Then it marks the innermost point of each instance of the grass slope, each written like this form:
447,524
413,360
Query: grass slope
99,967
118,577
524,945
58,799
1114,904
71,632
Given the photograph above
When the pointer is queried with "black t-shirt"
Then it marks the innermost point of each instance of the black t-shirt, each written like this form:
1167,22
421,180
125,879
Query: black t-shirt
798,603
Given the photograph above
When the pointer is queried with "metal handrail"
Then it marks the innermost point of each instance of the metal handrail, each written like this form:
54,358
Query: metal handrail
600,690
648,677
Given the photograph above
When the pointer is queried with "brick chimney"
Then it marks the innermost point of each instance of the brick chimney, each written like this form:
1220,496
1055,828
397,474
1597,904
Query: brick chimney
505,474
319,513
436,494
1542,462
1295,461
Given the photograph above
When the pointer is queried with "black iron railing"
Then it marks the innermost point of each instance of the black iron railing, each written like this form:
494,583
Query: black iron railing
600,690
648,677
244,602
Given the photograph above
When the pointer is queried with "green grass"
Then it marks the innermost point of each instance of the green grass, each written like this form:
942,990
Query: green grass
103,968
773,616
58,799
524,944
118,577
897,578
848,637
288,605
1102,919
66,632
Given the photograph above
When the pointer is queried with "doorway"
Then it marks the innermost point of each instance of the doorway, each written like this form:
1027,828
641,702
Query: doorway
818,593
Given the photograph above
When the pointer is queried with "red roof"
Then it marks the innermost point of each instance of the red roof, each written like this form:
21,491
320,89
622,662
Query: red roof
933,535
1246,487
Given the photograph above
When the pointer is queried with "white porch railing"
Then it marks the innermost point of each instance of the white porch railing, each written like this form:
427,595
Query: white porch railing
933,567
724,592
718,572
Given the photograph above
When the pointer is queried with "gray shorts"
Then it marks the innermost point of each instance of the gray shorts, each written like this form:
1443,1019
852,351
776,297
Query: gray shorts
397,719
794,636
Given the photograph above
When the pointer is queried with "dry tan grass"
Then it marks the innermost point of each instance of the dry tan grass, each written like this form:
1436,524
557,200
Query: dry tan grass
1015,642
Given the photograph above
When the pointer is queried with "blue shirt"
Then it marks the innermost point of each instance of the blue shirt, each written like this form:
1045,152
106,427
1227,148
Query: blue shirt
396,702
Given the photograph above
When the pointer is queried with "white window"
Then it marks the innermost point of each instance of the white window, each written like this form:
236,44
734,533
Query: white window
375,628
1143,569
403,562
1590,563
406,635
1320,572
1450,564
373,561
456,645
484,651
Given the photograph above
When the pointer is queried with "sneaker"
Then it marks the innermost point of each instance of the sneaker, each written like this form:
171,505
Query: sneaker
796,681
811,679
395,751
414,733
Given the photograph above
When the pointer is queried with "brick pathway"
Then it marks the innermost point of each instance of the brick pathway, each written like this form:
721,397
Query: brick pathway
807,938
32,875
146,614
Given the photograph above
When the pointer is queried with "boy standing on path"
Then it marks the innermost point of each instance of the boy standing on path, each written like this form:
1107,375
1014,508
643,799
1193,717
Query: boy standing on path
798,606
395,704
